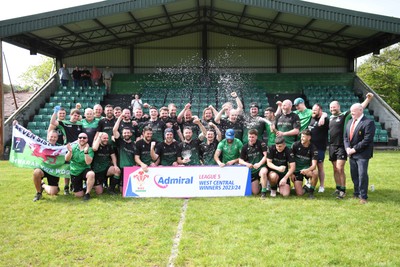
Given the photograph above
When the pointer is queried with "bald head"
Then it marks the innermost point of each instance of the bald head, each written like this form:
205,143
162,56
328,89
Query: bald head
356,110
287,106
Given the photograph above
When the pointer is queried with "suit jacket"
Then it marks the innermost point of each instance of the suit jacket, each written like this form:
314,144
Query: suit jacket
363,138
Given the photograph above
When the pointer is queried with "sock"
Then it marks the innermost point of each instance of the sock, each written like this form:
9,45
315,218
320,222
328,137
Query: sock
263,190
274,187
343,188
113,182
337,187
66,187
312,188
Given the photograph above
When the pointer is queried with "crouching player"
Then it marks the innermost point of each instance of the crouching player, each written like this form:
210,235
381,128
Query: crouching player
80,156
306,157
104,162
38,174
253,155
279,156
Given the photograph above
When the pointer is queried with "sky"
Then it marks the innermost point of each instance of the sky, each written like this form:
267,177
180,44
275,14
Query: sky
19,8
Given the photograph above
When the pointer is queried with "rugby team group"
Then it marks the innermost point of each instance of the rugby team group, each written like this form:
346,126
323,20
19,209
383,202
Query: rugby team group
283,149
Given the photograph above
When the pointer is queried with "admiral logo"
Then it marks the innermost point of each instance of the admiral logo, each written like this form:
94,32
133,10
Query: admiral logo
163,182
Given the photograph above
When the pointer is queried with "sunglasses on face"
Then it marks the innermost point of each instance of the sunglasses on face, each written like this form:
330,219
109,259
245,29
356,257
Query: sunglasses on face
82,137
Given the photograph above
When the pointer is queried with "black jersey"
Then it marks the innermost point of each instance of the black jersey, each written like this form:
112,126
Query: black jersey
167,153
158,127
286,123
190,150
102,158
336,128
253,153
319,134
72,130
126,153
207,152
195,128
257,123
237,126
280,158
107,125
143,151
304,156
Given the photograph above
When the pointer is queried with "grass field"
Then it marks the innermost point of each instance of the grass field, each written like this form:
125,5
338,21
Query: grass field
241,231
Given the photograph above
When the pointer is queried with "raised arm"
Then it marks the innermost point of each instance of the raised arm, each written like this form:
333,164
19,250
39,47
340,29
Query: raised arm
116,133
180,115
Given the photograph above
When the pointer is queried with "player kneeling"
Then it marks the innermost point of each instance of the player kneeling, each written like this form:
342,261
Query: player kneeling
306,157
279,157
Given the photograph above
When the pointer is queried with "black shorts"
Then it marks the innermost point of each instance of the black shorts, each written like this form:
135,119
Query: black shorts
255,176
100,177
77,181
298,176
281,175
51,180
321,156
337,153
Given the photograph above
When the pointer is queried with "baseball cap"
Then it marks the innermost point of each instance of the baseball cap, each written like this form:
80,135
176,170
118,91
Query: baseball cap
298,100
254,105
230,134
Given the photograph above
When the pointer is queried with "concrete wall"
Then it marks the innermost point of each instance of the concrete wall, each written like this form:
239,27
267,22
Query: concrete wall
381,109
24,113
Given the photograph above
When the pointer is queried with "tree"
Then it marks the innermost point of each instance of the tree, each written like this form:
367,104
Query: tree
382,74
35,76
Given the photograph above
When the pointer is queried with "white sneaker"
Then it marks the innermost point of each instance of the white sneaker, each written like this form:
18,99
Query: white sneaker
321,189
273,193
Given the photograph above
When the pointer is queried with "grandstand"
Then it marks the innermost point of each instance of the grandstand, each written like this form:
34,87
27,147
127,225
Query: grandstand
200,51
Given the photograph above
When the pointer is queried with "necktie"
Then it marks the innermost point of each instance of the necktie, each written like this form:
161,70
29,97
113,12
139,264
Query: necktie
352,129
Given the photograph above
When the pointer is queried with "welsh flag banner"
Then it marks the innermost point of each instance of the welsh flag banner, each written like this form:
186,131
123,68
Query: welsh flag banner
30,151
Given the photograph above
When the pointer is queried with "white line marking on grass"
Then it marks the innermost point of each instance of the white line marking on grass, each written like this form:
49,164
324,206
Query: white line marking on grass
178,235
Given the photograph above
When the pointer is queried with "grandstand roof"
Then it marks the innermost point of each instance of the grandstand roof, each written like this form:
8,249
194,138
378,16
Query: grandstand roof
123,23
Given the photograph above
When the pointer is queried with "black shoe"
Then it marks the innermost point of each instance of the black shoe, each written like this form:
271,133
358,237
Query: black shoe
37,197
86,197
66,191
311,196
306,189
111,191
263,195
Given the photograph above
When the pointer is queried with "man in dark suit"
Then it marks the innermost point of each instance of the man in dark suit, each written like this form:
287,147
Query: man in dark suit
359,141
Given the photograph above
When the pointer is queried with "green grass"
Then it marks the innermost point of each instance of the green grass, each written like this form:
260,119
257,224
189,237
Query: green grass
242,231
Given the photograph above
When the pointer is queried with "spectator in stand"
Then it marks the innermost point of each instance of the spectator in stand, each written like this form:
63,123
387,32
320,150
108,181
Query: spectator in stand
137,103
76,77
95,76
107,77
63,73
85,78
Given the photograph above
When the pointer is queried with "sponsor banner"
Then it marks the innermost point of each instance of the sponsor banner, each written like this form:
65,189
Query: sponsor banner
30,151
183,182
